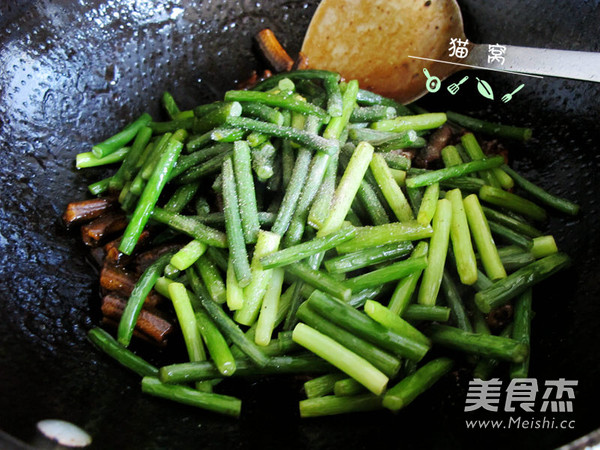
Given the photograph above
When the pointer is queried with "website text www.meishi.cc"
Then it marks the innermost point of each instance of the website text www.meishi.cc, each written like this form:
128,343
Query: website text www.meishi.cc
520,423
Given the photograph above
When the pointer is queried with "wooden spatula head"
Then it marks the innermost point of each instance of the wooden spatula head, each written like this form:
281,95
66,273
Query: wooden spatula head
371,40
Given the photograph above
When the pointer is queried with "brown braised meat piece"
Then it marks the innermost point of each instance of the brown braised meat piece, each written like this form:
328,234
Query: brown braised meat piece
150,324
143,260
493,148
102,227
498,318
254,79
439,139
274,51
115,257
117,281
86,210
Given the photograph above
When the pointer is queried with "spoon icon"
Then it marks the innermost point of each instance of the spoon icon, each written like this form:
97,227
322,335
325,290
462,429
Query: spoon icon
433,83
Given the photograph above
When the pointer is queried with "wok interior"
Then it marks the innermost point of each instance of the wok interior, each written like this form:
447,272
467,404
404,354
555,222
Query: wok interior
74,74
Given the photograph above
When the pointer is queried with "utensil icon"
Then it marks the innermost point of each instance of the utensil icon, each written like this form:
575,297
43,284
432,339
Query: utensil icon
485,89
508,97
454,87
433,83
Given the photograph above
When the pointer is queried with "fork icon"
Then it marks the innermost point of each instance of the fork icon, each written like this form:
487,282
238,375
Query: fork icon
508,97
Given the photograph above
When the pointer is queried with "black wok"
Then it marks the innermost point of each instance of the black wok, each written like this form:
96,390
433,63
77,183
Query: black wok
71,73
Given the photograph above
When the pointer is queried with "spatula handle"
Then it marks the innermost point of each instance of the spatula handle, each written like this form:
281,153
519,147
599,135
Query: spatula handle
539,61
